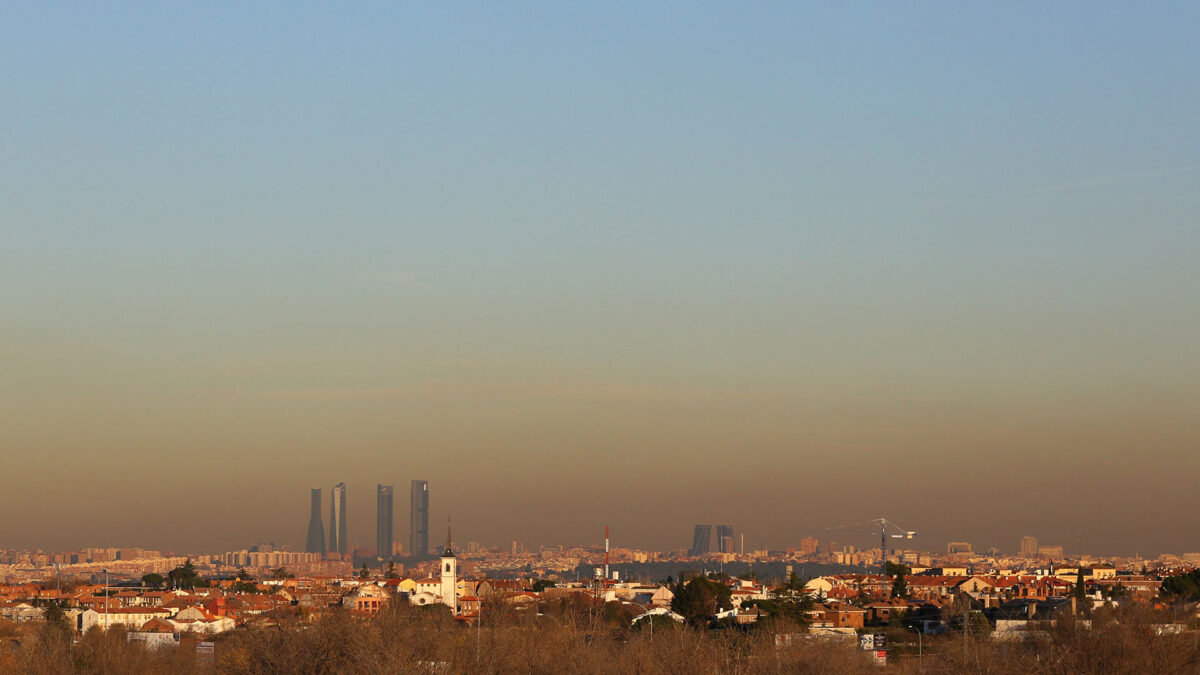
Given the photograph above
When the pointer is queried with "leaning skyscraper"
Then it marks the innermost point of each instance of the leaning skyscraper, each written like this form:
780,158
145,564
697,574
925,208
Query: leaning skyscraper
701,540
418,518
337,519
316,529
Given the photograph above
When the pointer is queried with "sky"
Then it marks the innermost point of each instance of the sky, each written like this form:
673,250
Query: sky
778,265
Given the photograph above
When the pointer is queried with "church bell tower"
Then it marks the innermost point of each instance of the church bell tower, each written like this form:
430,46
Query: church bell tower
449,574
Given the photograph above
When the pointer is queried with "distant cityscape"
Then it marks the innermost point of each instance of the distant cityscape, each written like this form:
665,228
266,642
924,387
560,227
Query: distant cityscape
834,591
711,545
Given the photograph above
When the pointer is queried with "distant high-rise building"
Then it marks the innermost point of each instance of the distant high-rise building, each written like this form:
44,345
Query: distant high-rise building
316,527
418,518
955,547
1055,552
1029,547
337,519
383,520
808,545
701,540
725,539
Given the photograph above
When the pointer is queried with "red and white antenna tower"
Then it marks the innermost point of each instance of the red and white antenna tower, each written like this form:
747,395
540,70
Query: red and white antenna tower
606,556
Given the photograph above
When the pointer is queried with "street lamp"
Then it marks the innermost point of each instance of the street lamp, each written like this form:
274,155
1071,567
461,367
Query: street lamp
106,601
645,612
920,647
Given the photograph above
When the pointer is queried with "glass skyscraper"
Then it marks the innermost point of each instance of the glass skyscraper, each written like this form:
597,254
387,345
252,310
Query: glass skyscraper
383,521
337,519
316,528
701,540
418,518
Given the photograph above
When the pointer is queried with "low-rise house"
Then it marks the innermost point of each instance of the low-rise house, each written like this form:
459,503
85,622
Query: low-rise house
978,585
748,615
428,585
934,586
368,599
837,616
130,617
747,594
128,598
154,598
662,597
155,633
196,620
882,611
469,606
20,612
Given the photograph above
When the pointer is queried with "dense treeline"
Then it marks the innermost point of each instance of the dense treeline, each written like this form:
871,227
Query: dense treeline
576,636
1184,586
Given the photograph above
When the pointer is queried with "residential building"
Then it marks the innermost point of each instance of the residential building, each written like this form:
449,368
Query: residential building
1055,552
1029,547
808,545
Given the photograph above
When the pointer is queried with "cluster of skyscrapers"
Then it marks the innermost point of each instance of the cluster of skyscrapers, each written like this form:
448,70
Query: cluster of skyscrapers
384,512
702,537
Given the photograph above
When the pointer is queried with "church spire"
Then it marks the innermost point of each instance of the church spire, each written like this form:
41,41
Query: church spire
449,550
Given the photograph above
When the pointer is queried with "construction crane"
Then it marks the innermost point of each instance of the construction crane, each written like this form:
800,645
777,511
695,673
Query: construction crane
885,529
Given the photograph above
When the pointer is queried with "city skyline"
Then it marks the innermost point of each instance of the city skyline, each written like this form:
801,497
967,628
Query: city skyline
783,266
836,540
1069,543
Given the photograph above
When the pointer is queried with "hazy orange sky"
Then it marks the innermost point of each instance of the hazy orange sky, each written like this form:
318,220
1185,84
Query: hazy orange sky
643,265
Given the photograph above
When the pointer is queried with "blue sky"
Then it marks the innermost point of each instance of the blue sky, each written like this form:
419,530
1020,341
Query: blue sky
839,211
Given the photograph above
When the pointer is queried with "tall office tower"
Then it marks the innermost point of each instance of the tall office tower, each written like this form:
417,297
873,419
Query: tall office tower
418,518
725,538
316,528
337,519
383,521
1029,547
701,540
